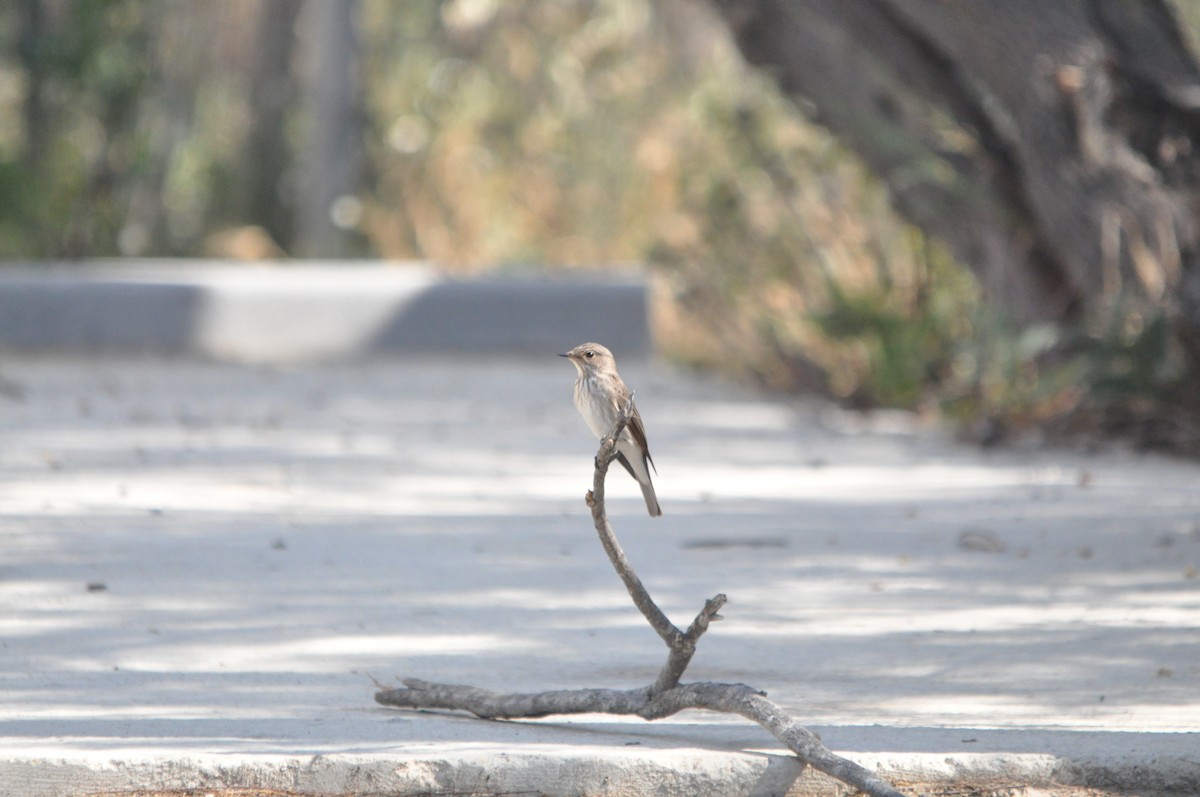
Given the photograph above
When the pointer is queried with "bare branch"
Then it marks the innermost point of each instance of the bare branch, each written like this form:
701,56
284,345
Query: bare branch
494,705
667,695
707,615
608,538
726,698
682,651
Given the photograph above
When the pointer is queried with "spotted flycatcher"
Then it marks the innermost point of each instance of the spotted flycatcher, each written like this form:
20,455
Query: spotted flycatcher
599,396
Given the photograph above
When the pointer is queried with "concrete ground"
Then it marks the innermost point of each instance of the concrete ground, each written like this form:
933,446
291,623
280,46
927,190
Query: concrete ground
204,566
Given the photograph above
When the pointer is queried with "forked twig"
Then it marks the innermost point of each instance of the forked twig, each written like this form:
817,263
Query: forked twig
682,645
663,698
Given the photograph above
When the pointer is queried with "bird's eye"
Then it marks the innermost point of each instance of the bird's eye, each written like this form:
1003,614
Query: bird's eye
590,354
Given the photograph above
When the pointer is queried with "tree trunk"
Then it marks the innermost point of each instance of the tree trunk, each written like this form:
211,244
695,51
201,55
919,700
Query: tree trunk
1054,146
332,162
272,89
31,49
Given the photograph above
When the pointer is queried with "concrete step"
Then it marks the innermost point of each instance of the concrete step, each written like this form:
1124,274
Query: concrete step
309,311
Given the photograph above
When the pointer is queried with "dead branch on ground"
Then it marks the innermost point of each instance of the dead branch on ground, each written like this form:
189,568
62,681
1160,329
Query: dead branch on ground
666,696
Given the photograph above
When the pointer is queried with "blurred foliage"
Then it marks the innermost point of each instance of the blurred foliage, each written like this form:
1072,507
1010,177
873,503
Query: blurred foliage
61,181
549,133
518,132
117,136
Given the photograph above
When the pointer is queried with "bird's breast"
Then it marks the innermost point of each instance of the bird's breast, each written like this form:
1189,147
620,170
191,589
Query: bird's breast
596,411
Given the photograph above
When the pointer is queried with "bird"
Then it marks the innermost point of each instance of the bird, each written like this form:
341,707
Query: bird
599,396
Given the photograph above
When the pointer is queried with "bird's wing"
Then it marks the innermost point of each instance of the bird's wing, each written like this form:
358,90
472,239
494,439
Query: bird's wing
639,435
625,463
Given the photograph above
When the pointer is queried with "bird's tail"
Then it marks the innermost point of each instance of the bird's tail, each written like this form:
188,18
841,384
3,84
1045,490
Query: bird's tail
651,499
627,454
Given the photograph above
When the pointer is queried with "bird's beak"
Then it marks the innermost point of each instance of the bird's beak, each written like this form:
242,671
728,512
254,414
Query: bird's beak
564,355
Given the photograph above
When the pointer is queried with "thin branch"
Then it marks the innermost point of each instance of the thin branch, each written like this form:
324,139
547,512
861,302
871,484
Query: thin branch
725,698
682,646
608,538
681,653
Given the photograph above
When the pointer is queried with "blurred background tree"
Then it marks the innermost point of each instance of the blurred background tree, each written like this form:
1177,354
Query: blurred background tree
1055,149
482,134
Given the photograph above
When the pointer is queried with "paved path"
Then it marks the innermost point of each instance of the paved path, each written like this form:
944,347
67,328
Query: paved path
201,565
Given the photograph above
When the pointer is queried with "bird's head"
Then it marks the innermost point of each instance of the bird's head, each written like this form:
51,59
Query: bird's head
590,358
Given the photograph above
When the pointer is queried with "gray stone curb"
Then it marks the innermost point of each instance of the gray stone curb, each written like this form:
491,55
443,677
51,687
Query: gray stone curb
304,312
